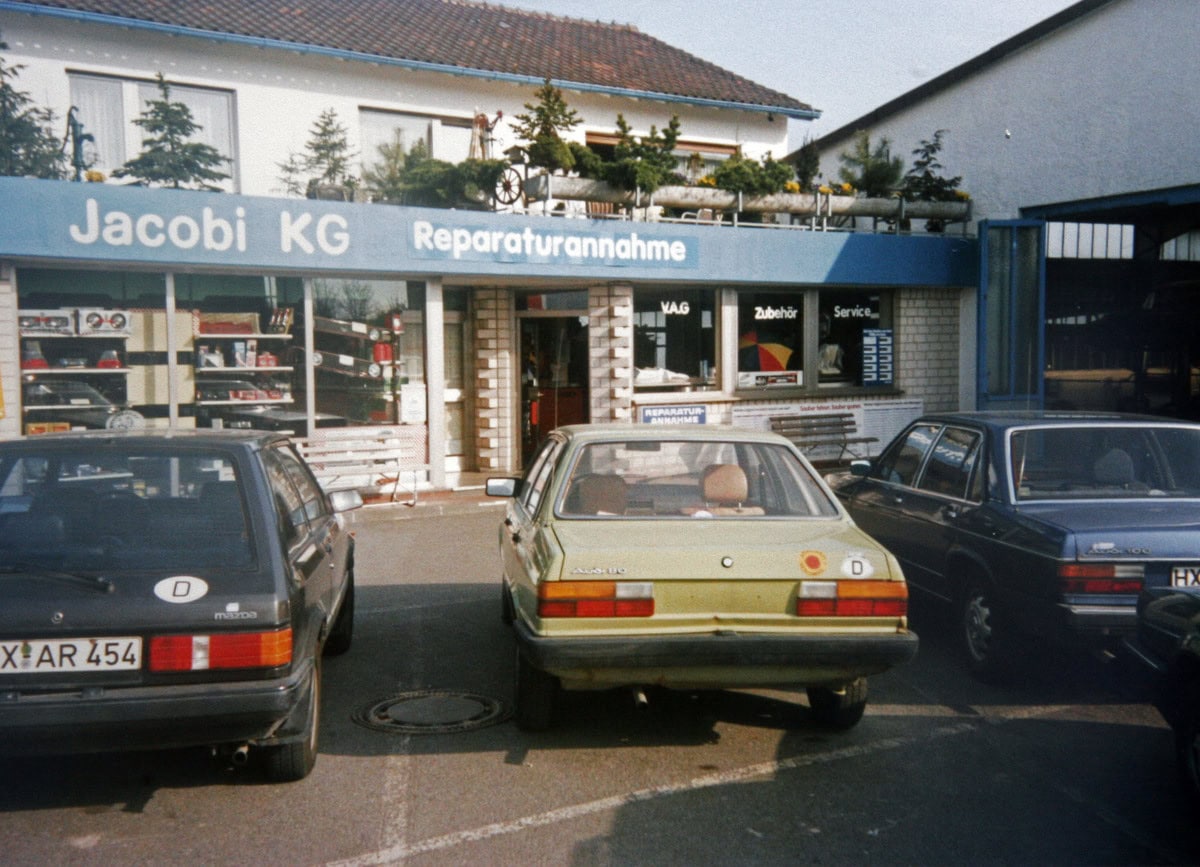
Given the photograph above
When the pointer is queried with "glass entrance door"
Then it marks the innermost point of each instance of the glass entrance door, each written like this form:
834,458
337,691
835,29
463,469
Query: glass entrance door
554,376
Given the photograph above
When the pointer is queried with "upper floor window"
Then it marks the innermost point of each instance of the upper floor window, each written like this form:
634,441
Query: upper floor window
108,107
446,139
693,159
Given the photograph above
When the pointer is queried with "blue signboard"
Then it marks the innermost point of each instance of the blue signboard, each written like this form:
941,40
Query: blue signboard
130,227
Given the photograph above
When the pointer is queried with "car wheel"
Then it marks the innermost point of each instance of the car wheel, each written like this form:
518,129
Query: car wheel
507,613
287,763
341,636
1187,741
983,638
536,694
839,708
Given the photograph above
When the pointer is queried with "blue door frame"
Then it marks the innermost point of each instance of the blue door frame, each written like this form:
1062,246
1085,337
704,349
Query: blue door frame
1011,345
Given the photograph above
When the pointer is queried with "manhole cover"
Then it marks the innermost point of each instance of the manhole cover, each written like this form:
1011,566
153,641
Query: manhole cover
431,711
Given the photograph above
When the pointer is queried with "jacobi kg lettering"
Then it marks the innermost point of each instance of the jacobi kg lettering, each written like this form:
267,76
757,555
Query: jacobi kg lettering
207,230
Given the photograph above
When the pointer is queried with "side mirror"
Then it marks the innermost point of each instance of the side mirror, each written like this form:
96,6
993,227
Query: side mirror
502,487
344,501
860,468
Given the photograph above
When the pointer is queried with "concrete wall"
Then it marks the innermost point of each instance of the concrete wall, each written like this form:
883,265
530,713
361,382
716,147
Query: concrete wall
1106,105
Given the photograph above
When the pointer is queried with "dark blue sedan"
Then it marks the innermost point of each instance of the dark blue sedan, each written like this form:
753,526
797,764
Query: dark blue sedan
1042,524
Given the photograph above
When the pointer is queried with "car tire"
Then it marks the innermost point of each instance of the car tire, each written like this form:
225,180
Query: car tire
985,641
341,636
839,708
1187,740
289,762
536,694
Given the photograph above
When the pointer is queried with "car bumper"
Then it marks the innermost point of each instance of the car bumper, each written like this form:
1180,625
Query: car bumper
722,659
149,717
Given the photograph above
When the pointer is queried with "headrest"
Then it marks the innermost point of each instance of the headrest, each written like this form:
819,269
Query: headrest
601,494
724,483
1114,468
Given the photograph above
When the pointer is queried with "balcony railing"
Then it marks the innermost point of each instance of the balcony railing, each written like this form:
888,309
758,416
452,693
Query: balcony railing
819,211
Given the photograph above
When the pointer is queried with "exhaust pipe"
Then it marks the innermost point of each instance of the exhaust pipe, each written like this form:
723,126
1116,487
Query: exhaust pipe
240,755
639,698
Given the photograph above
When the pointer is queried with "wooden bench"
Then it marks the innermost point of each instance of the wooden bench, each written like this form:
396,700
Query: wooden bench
822,431
370,459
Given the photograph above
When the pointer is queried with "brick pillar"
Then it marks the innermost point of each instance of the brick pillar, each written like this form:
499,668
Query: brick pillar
610,353
495,354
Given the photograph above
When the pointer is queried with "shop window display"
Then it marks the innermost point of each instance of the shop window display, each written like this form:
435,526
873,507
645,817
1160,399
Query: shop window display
674,339
770,339
855,339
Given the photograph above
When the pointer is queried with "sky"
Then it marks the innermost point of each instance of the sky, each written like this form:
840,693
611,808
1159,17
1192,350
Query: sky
843,57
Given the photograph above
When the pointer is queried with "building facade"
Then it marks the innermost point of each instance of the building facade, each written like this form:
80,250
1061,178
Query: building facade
475,331
1076,142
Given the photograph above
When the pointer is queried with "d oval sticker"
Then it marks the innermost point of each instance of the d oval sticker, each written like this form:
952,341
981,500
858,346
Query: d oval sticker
181,588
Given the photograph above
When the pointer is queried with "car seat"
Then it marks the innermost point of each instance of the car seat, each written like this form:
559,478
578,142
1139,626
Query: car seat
600,495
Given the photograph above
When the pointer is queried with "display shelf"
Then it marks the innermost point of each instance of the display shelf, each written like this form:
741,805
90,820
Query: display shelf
73,371
27,372
265,401
259,370
209,335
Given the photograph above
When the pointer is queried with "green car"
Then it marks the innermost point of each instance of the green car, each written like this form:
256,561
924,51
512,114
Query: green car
691,557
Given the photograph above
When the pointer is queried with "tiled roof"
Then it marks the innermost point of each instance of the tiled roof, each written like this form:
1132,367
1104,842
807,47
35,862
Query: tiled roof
479,38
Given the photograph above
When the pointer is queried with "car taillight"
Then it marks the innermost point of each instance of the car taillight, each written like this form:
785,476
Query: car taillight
226,650
1123,578
595,599
854,598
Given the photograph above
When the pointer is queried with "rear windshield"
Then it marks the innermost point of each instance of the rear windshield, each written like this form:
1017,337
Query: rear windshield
1099,462
691,478
107,509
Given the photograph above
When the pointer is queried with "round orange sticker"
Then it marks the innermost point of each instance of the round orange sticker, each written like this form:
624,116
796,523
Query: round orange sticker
812,562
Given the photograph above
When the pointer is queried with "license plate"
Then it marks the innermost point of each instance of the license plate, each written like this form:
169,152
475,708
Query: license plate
59,655
1185,576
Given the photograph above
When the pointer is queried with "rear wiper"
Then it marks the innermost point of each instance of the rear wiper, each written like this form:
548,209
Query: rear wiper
94,582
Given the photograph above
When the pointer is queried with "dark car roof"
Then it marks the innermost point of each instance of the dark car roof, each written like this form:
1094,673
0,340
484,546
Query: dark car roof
999,420
221,439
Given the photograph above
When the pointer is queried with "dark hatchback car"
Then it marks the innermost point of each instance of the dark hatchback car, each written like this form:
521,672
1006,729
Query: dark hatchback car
162,590
1167,644
1035,524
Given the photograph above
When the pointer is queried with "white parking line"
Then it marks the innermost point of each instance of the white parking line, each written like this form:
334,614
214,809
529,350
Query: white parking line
397,852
